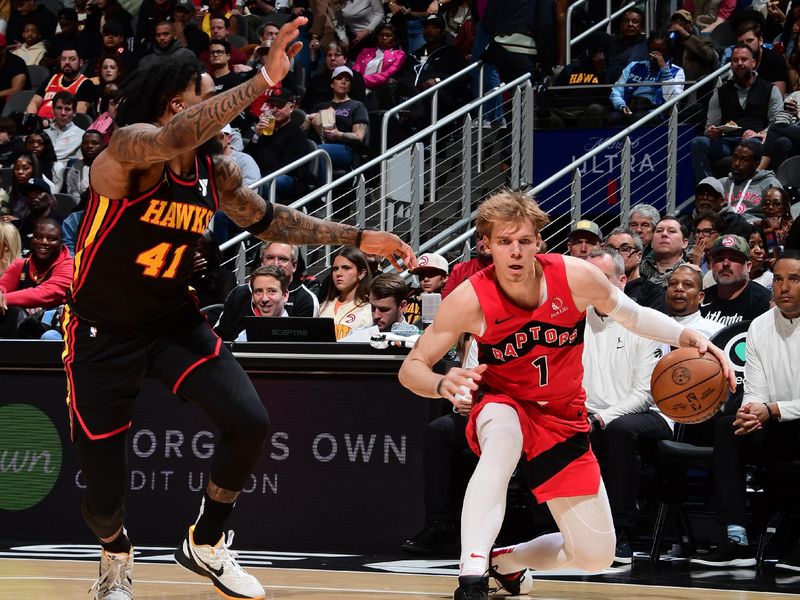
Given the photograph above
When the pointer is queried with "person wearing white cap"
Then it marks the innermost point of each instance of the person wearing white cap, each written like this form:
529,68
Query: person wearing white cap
345,133
709,196
432,272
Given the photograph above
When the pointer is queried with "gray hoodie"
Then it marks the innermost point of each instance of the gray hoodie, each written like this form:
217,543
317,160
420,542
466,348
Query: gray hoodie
745,197
157,53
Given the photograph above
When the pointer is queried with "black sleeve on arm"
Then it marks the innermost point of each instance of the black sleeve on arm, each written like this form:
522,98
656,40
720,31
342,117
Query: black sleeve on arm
264,222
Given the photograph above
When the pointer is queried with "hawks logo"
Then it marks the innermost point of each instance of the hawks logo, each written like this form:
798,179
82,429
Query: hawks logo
349,318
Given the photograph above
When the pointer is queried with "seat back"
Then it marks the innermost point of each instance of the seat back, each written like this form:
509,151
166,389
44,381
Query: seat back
18,102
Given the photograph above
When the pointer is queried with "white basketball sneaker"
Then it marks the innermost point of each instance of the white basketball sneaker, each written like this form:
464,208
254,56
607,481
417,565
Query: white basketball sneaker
219,564
116,577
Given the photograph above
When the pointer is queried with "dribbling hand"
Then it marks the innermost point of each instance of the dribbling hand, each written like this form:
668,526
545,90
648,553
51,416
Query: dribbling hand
450,386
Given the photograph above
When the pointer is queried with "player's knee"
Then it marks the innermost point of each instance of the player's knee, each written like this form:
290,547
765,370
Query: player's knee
256,424
507,440
598,555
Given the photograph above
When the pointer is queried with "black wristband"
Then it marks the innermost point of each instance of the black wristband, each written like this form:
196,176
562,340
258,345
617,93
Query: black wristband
264,222
358,240
769,410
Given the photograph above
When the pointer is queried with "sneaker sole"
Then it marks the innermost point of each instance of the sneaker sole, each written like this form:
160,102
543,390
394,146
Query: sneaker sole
623,560
737,562
187,563
787,566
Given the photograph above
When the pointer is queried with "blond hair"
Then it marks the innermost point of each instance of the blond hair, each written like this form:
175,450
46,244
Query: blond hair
10,245
509,207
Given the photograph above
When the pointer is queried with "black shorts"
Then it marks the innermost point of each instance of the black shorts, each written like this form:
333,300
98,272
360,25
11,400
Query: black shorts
105,369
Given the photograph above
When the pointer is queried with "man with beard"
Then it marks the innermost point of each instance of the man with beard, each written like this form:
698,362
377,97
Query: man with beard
709,196
77,174
684,297
740,108
746,184
269,290
669,244
165,44
387,297
69,80
769,64
39,281
734,298
640,289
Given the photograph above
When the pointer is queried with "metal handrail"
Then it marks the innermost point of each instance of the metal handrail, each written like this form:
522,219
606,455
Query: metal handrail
316,154
597,26
625,132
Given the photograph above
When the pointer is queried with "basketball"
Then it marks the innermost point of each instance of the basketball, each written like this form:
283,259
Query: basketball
687,387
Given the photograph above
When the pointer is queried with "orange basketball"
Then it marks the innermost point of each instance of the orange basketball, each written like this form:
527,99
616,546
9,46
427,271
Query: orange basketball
687,387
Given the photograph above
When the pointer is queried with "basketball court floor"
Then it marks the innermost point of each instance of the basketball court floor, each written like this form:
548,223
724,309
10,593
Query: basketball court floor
59,572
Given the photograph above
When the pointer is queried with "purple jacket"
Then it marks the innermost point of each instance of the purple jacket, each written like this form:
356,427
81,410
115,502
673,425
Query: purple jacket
392,63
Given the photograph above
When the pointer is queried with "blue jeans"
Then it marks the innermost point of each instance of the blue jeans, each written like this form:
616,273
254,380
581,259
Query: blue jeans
341,159
414,32
706,152
492,110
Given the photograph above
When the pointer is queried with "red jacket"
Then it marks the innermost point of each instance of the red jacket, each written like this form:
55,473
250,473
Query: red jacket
392,63
49,293
460,272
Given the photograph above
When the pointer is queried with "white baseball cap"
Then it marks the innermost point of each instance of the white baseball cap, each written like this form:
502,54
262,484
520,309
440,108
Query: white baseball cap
432,261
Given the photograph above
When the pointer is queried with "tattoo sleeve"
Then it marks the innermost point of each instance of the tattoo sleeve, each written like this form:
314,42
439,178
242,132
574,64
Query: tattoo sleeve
288,225
143,143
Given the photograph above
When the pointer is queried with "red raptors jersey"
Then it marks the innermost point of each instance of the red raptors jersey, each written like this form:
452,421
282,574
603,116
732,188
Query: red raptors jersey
55,85
534,354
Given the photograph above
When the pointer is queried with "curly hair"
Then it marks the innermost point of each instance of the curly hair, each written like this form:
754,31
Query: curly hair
150,90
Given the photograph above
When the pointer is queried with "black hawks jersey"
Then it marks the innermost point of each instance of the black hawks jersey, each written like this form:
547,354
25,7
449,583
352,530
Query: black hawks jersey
134,256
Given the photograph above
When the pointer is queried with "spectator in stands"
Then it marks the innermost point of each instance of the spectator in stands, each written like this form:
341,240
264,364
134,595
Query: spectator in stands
270,291
68,37
286,144
39,281
111,71
106,28
707,227
32,49
742,107
64,134
691,50
10,245
408,15
387,299
643,291
765,429
216,8
319,87
69,79
13,73
380,66
512,26
632,103
620,416
105,122
355,20
584,237
583,107
770,65
26,167
642,220
349,131
220,29
39,143
210,280
431,271
734,297
166,44
465,270
777,215
709,15
76,177
783,136
347,300
629,45
219,56
301,302
709,196
745,184
114,44
760,262
684,298
186,28
41,207
152,12
11,145
25,11
669,244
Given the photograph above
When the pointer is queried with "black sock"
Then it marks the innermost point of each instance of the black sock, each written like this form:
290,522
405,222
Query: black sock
209,526
119,545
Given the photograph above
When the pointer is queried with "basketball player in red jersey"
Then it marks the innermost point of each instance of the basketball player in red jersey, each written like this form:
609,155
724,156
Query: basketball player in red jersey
131,315
527,314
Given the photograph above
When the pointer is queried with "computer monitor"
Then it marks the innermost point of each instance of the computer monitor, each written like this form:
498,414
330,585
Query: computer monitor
289,329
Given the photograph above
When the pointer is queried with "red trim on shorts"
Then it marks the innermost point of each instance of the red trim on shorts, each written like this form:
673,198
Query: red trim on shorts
214,354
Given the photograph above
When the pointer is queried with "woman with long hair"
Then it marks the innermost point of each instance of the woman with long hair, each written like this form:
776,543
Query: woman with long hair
347,299
40,145
10,245
380,66
26,167
777,216
760,261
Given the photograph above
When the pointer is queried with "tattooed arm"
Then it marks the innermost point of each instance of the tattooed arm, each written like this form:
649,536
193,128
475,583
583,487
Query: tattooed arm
291,226
144,143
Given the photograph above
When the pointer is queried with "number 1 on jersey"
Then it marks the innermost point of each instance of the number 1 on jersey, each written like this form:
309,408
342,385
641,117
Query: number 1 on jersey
154,259
540,363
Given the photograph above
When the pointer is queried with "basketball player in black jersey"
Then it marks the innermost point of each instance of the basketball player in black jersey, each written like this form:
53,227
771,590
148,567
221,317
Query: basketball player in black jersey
130,315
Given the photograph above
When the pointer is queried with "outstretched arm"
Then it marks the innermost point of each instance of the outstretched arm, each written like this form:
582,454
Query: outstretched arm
278,223
144,143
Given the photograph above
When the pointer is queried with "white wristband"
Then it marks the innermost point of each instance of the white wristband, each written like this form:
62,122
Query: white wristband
265,75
